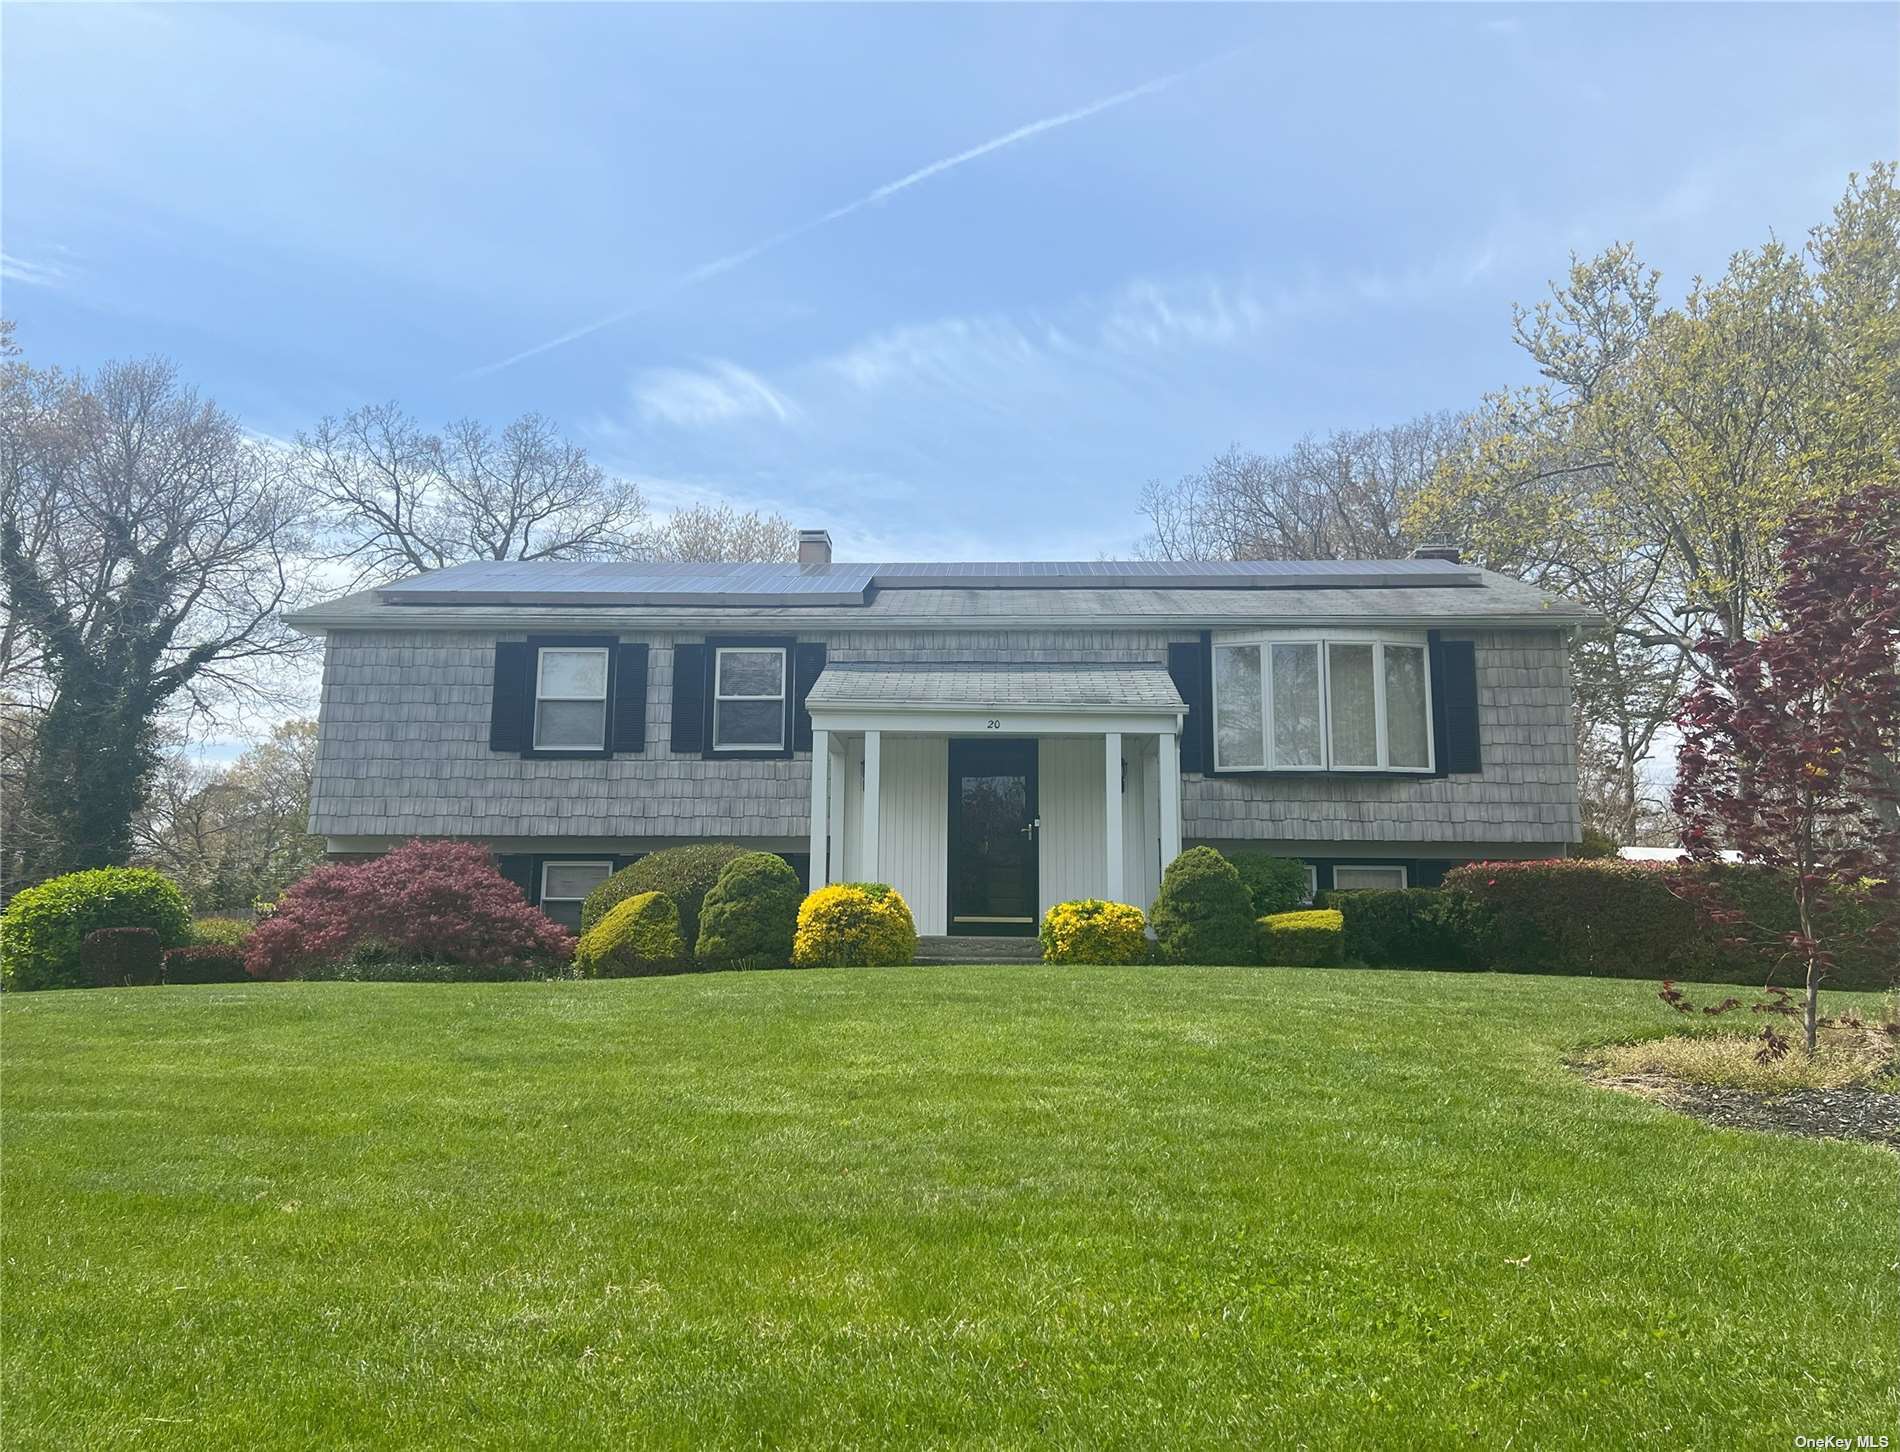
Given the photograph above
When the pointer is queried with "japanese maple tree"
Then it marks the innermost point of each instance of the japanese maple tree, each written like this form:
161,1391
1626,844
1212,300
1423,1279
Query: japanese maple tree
1790,742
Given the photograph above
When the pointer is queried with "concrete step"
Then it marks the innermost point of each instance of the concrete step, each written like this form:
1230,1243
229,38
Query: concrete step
978,949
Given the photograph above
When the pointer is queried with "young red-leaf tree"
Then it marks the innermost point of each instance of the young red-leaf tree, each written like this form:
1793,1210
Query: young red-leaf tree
1790,742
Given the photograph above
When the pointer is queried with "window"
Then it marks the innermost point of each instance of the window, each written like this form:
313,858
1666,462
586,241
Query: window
749,699
570,699
1312,884
564,887
1346,879
1341,702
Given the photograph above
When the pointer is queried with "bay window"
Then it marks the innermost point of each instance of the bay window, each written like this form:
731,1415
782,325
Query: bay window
1322,701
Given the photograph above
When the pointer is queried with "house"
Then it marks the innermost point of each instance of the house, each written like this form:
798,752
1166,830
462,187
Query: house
989,738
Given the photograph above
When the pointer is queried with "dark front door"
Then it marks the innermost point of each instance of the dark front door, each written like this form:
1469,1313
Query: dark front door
993,828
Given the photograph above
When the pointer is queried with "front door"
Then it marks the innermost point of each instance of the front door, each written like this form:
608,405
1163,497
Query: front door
993,827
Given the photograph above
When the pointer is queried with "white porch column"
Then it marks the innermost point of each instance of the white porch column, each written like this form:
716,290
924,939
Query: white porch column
820,807
1114,883
873,769
1169,763
840,760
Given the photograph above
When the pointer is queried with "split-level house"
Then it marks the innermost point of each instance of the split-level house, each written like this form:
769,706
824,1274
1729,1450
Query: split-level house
988,738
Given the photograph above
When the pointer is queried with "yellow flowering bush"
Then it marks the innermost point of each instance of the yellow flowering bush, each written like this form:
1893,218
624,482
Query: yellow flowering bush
1309,939
1093,931
854,924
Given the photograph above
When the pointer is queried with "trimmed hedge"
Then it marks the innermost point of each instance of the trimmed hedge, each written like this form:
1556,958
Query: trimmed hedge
684,874
1410,927
44,926
1620,920
122,957
224,932
206,963
1305,939
852,925
1276,884
750,915
1204,913
639,937
1093,931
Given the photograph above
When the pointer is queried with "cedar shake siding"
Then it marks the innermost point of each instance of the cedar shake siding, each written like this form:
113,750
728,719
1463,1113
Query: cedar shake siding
407,747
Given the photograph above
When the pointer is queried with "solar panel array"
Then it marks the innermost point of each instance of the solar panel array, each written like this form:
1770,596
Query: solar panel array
622,582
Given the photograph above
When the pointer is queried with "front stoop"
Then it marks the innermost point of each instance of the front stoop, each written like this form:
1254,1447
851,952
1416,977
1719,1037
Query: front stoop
979,950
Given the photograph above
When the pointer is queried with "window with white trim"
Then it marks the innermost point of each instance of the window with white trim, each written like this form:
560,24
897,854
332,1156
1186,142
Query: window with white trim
1312,884
564,887
570,698
1348,879
749,698
1322,701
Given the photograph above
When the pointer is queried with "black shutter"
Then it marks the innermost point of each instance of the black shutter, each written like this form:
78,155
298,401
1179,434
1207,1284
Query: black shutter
689,698
513,704
808,663
630,699
1187,666
1455,705
520,871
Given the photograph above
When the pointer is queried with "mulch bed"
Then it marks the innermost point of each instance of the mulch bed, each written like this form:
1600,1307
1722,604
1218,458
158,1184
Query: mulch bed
1869,1115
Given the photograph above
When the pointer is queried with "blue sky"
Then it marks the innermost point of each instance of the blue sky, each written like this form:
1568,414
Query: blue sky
839,289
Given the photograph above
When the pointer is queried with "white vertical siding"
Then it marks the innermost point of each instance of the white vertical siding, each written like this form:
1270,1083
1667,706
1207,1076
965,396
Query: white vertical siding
914,833
853,825
1071,862
1141,822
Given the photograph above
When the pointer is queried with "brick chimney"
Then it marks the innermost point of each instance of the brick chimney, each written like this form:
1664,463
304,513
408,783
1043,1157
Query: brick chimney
1435,552
814,547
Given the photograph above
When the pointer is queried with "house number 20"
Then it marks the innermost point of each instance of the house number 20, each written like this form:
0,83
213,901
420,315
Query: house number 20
995,725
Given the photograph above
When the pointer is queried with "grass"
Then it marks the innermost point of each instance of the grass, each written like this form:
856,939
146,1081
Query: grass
1844,1057
978,1207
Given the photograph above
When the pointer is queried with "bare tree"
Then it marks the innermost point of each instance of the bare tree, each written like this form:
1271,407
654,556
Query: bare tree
709,533
400,500
1343,496
147,548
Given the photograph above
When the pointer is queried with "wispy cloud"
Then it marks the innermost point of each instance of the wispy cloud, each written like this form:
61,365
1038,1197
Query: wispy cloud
32,274
719,266
717,392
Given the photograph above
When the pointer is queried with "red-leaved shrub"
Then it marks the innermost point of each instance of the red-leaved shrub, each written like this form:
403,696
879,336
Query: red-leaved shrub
436,902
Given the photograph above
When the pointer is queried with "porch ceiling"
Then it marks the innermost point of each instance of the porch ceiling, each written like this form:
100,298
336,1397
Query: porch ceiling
1031,686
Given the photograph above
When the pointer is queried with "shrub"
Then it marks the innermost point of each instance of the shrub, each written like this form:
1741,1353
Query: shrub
1307,939
206,963
1276,884
122,957
750,915
425,902
43,927
376,963
1610,918
639,937
854,924
1204,913
1093,931
1411,927
685,874
223,931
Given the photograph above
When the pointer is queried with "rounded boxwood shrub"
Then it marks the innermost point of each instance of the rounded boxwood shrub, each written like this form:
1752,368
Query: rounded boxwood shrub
854,924
122,957
639,937
1276,884
685,874
205,963
1093,931
750,915
1204,913
44,926
425,902
1305,939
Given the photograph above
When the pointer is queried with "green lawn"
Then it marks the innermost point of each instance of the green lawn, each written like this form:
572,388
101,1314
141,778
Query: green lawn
983,1206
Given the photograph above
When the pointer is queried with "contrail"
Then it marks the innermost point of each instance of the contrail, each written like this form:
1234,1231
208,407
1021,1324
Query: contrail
706,271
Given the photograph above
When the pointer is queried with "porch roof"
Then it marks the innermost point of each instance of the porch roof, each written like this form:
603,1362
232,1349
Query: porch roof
1036,685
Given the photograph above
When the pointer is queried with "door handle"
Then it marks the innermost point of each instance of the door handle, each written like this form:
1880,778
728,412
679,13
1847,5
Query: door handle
1029,828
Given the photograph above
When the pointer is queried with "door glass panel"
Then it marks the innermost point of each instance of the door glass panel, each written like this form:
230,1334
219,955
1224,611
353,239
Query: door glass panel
994,866
1354,705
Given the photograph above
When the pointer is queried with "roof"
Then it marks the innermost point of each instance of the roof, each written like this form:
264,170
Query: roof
577,595
1055,686
640,582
